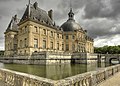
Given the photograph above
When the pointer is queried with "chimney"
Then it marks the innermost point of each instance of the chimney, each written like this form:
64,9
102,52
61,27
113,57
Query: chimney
50,14
35,5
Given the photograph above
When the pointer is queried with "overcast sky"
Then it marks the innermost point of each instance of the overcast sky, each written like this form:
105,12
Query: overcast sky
101,18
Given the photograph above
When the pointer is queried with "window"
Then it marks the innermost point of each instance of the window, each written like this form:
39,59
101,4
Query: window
35,43
73,37
20,30
20,43
62,46
8,46
25,26
62,37
36,30
25,29
44,44
51,45
20,52
67,37
57,35
15,46
73,47
25,44
67,47
79,47
44,31
25,51
57,46
51,33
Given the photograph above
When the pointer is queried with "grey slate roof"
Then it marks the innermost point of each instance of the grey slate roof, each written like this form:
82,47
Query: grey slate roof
70,25
13,24
37,14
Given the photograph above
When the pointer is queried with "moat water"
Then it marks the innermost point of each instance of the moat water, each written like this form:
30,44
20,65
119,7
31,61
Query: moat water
54,72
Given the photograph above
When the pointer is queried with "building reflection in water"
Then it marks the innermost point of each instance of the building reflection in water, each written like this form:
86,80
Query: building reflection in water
54,71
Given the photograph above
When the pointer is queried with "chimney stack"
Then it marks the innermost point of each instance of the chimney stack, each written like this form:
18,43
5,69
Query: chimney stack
50,14
35,5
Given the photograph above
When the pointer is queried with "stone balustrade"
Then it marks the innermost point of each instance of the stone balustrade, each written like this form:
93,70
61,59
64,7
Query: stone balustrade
93,78
12,78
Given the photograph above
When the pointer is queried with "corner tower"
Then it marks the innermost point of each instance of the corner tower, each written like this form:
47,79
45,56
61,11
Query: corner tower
11,37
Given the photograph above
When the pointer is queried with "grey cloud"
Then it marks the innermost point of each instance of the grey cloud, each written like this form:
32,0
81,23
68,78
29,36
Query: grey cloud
102,8
93,8
0,17
64,6
4,12
20,12
96,9
1,44
102,27
76,4
8,0
1,38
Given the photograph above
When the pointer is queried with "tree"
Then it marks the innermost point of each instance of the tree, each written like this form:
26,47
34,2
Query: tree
108,49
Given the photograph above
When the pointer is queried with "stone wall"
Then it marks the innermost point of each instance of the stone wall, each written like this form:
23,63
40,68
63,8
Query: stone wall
57,58
93,78
39,58
52,58
84,58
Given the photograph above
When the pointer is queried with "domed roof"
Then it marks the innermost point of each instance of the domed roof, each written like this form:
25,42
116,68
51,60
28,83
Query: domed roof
70,24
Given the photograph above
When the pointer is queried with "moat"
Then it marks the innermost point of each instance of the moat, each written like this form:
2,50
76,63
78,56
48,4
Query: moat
55,72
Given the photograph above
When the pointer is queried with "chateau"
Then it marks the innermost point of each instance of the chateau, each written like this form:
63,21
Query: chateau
37,32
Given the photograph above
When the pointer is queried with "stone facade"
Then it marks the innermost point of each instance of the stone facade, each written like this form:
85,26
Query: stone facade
36,32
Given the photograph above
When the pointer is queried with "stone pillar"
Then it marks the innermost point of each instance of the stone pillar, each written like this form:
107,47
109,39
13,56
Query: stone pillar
106,74
93,79
30,37
99,58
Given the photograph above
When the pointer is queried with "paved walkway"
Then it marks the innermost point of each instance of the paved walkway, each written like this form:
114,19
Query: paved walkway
112,81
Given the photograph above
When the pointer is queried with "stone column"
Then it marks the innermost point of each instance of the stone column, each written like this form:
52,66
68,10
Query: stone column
30,36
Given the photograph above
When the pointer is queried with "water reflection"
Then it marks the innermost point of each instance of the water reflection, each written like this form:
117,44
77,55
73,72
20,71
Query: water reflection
54,71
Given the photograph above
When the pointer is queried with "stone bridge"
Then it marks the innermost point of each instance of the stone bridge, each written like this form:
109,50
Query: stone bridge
108,57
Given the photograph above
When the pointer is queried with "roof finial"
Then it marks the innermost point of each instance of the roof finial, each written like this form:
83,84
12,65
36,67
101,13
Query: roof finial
70,4
71,14
29,1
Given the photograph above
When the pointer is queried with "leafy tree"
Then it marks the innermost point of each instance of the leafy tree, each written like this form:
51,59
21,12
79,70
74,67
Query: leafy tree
108,49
